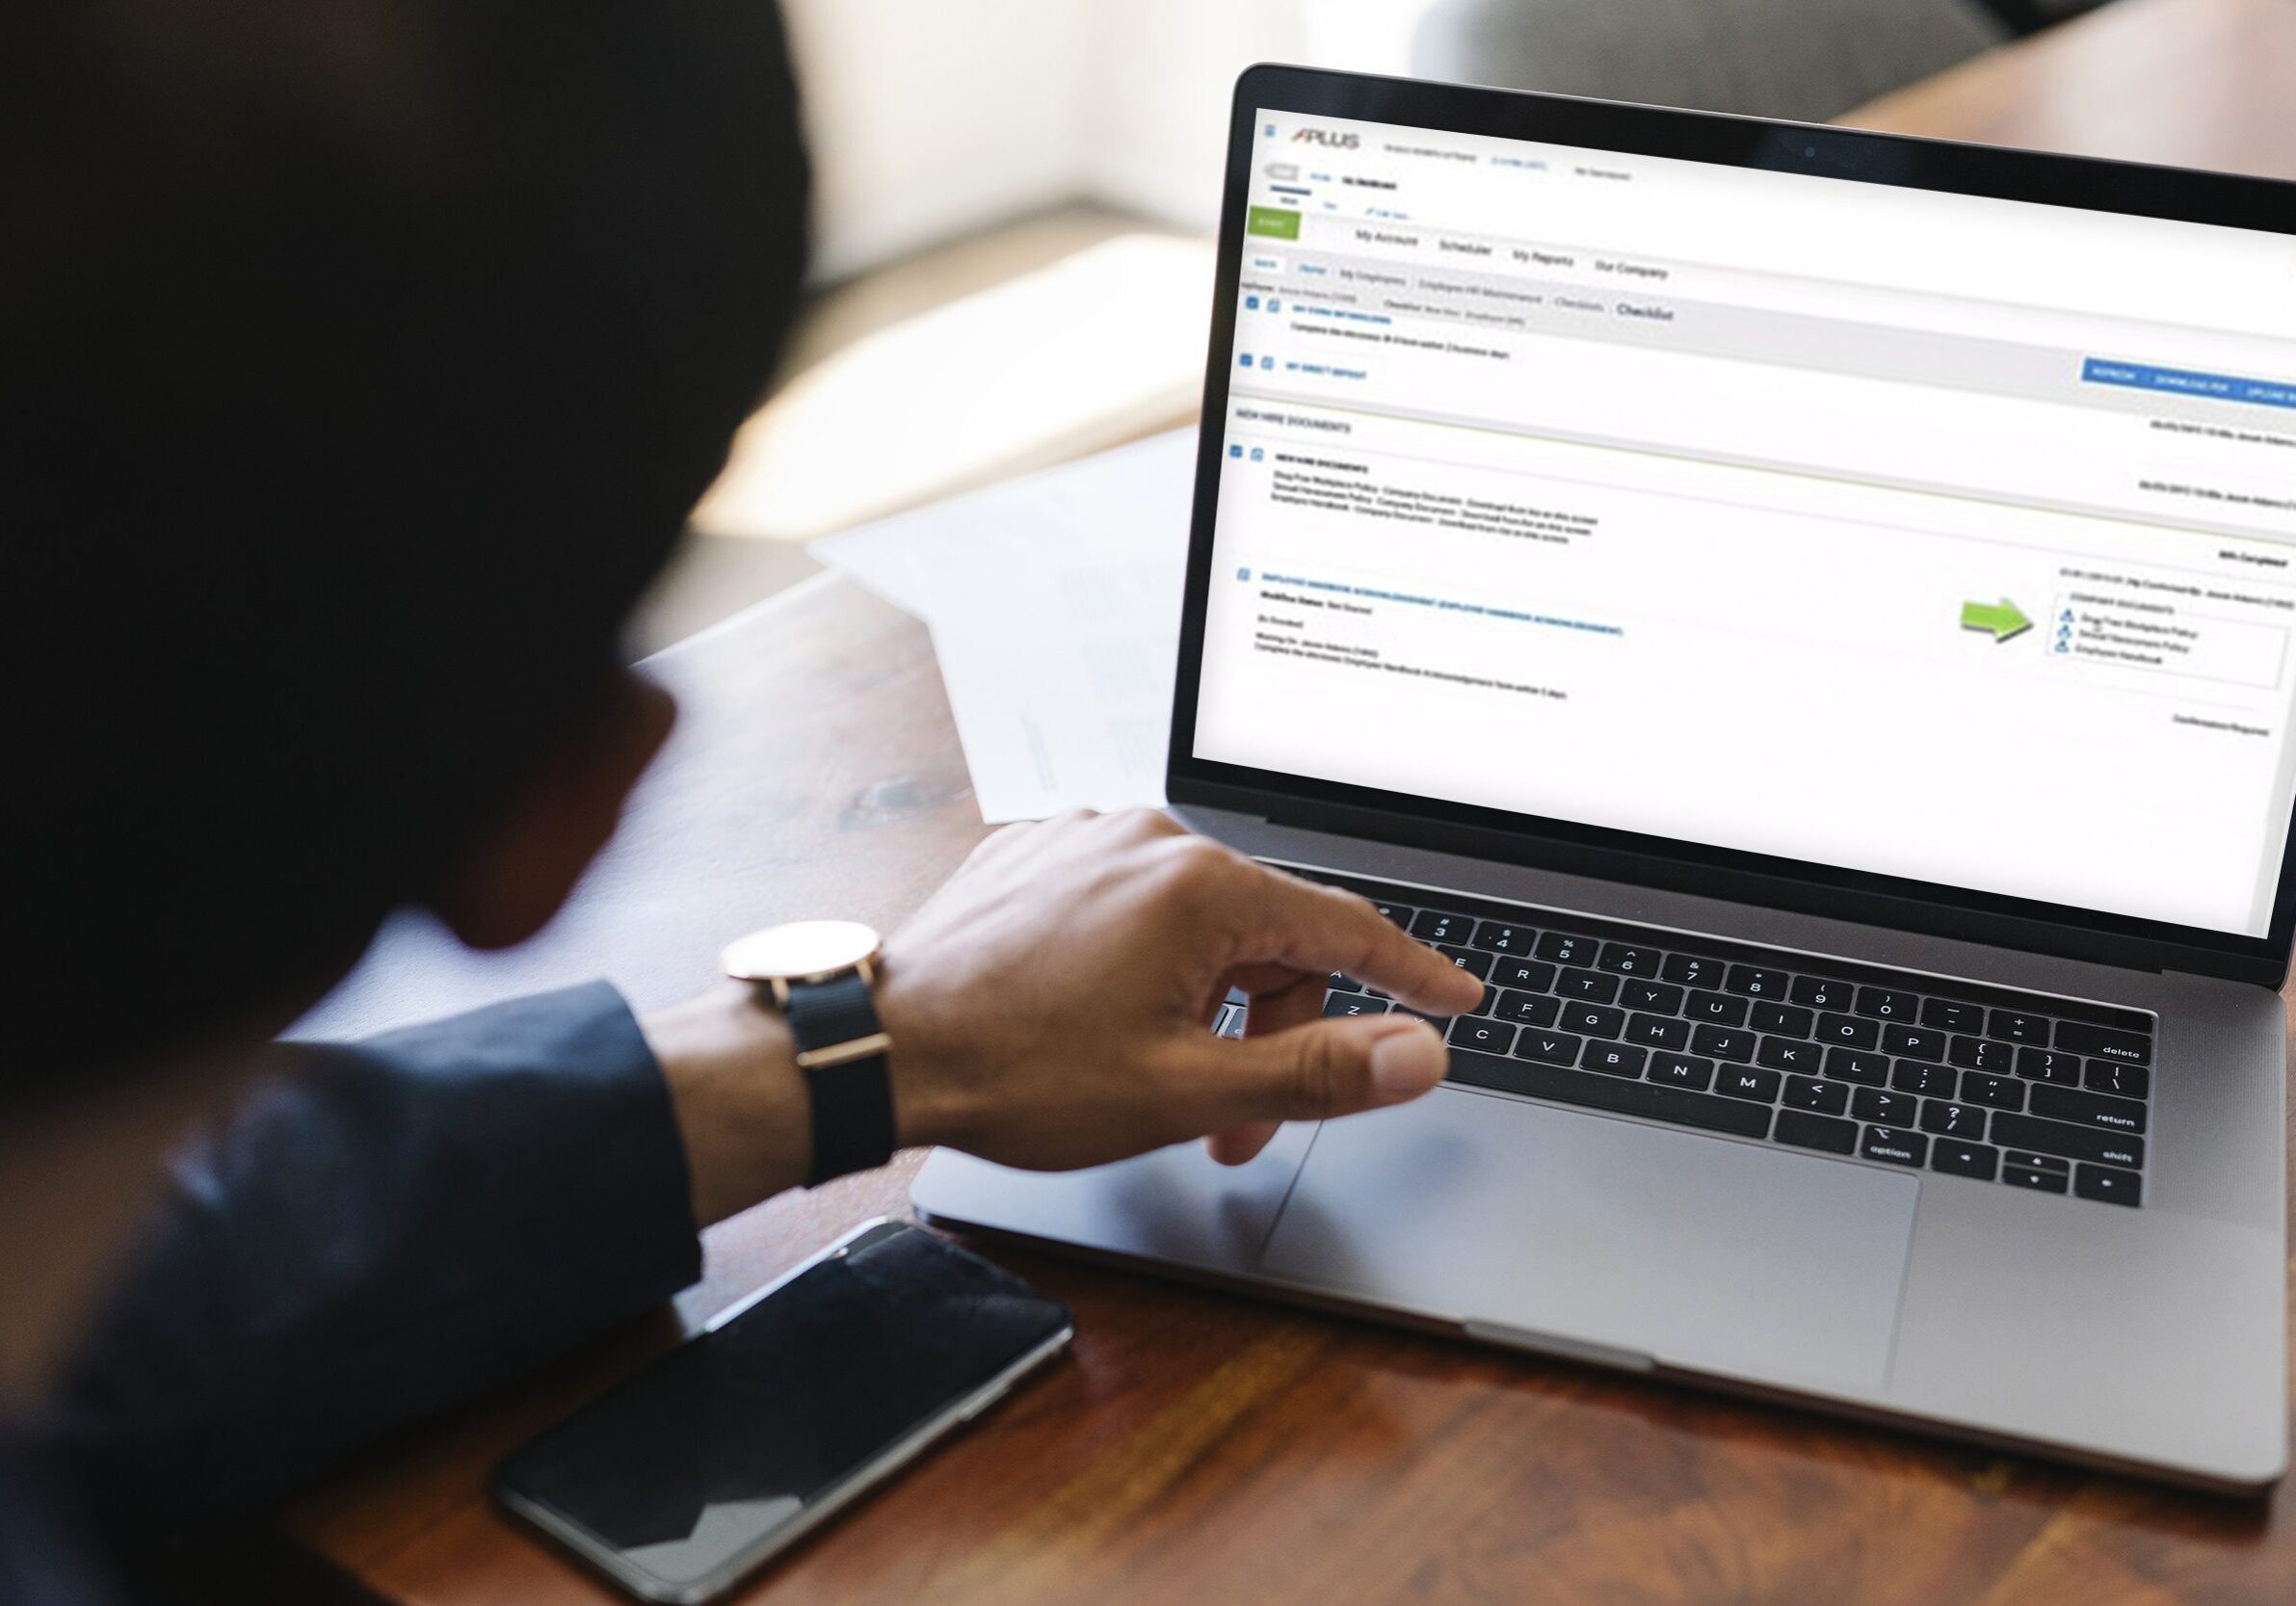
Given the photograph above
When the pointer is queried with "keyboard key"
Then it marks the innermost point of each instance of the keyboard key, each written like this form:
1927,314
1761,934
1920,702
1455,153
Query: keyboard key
1499,937
1752,981
1723,1044
2089,1109
1883,1107
1986,1054
2103,1042
1595,1020
1782,1020
1615,1059
1652,1099
1958,1159
1947,1016
1817,992
1564,949
2041,1182
1995,1092
1400,913
1342,983
1887,1004
1590,985
2020,1028
2073,1143
1894,1144
2114,1187
1682,1070
1655,1031
1651,997
1805,1130
1230,1024
1528,974
1552,1048
1623,959
1746,1082
1848,1033
1353,1003
2120,1080
1849,1065
2049,1064
1690,971
1912,1042
1716,1008
2033,1162
1789,1054
1485,1036
1930,1081
1475,964
1527,1009
1434,926
1952,1121
1807,1093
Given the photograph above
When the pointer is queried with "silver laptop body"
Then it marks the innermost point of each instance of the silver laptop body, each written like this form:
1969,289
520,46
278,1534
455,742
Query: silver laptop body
1388,561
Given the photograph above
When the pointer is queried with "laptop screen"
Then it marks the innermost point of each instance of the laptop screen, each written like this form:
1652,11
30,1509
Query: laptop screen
1898,530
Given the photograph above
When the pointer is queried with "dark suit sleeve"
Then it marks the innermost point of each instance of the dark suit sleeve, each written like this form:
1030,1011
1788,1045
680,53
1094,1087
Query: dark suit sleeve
384,1228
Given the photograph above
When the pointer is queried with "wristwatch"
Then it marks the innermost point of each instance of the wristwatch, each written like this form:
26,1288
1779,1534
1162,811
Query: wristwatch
820,975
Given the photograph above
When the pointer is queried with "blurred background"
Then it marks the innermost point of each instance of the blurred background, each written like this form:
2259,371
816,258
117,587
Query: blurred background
1014,202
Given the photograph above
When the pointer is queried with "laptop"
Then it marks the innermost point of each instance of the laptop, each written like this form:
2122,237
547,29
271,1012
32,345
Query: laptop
1805,615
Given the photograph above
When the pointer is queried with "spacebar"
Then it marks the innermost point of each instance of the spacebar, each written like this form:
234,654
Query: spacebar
1594,1092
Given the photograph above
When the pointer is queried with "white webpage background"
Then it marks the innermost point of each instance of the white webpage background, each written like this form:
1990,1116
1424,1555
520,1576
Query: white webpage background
1776,660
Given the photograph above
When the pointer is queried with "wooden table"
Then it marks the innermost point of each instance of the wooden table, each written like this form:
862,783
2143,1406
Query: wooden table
1201,1447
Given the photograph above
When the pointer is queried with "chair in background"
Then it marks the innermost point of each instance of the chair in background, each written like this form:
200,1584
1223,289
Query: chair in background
1808,59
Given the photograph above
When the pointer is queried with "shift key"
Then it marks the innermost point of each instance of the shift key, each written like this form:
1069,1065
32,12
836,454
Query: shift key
2069,1143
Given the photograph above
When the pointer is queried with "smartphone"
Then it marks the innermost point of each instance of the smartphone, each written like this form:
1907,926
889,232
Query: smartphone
785,1408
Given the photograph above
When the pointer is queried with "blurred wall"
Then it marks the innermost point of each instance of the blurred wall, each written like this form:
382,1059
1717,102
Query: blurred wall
934,117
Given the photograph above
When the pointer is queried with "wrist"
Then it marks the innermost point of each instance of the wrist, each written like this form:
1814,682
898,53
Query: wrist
739,1100
931,1104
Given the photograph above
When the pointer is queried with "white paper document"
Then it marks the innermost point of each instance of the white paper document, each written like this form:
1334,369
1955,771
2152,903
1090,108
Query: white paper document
1054,602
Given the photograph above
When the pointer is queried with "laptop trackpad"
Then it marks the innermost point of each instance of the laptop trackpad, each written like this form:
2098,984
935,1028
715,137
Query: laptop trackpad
1698,1251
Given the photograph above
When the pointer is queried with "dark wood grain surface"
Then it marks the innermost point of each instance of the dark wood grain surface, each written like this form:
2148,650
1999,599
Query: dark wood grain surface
1201,1447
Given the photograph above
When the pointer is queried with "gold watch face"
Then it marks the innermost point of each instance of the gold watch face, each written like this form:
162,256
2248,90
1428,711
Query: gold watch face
801,951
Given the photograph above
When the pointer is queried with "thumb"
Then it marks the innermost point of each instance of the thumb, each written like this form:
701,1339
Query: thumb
1334,1066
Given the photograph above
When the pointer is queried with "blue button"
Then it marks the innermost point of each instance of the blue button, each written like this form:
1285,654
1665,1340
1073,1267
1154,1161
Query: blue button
1244,361
2187,382
1251,303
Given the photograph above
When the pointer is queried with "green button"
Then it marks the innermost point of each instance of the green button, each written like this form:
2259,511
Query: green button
1274,221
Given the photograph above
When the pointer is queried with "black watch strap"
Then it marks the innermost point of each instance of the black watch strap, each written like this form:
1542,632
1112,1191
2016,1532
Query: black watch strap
841,1049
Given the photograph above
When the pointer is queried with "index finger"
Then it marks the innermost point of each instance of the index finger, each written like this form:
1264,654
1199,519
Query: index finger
1315,928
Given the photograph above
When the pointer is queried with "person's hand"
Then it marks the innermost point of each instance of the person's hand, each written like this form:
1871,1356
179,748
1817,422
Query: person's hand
1049,1006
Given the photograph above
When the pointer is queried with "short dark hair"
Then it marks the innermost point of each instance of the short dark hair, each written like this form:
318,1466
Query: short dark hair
359,362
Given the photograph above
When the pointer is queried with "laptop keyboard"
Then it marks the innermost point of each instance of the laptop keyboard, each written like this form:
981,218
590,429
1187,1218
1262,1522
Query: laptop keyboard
2047,1094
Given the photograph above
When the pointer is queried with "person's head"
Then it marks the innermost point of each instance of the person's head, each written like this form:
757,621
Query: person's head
360,361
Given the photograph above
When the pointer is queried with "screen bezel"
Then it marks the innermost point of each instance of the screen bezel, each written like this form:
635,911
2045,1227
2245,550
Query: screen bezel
1851,155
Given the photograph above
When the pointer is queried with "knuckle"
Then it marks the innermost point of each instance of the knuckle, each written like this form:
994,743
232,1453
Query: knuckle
1316,1079
1193,861
1146,825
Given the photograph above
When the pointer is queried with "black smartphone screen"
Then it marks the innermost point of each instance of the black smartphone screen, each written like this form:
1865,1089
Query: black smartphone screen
684,1469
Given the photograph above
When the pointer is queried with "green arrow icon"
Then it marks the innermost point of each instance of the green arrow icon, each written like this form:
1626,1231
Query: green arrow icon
2004,619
